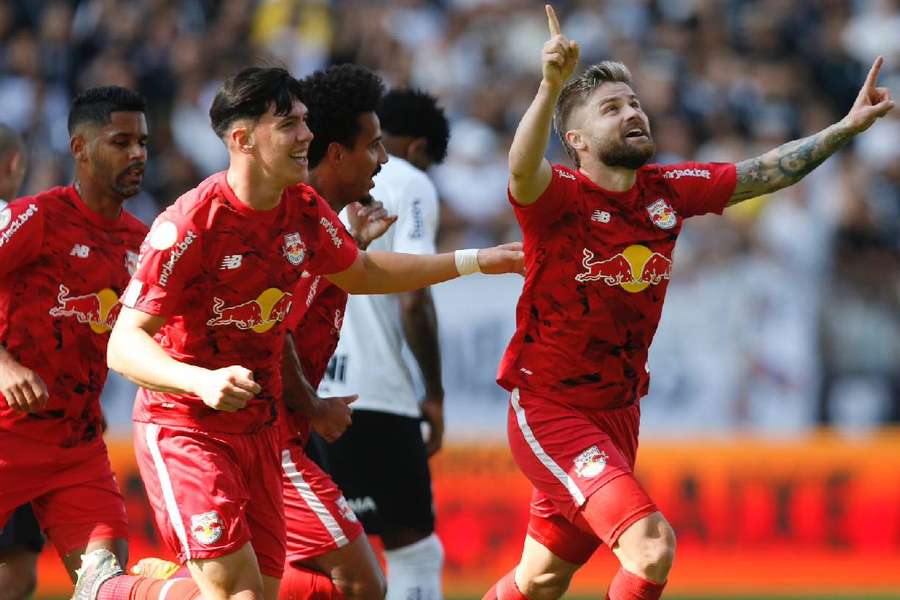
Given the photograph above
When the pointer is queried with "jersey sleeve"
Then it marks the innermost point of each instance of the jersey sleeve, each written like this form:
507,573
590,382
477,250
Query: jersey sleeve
538,216
701,188
417,218
170,258
336,248
21,233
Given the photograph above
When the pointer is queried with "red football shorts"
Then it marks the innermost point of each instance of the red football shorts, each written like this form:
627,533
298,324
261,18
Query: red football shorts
569,455
72,490
213,492
317,517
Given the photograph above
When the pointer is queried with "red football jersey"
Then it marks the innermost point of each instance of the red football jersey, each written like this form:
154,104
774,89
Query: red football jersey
317,314
597,268
62,269
224,276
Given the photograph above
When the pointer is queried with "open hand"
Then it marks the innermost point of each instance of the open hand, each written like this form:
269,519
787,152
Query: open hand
228,389
560,55
871,104
368,222
505,258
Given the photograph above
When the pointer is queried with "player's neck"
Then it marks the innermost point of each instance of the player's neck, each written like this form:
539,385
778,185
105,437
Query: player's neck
106,205
614,179
327,187
255,189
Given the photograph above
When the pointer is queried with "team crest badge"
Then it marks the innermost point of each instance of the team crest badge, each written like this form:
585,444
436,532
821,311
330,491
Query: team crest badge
591,462
131,261
5,215
662,214
294,248
345,509
207,527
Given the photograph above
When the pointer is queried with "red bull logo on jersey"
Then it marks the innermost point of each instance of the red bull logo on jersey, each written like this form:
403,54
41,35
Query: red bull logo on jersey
634,269
294,248
271,307
207,528
98,310
662,214
591,462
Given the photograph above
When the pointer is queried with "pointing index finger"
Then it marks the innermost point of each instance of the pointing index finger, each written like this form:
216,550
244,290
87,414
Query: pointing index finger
872,77
552,21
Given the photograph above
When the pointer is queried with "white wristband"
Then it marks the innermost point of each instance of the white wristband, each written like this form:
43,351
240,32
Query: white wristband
467,261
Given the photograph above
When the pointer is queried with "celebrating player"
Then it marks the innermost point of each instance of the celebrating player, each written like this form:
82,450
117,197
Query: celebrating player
598,246
202,332
65,256
387,476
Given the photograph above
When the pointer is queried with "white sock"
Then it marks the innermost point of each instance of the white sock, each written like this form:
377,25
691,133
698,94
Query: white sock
414,571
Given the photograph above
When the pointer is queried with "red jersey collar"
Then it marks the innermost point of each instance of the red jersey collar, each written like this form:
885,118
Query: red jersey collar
241,208
91,215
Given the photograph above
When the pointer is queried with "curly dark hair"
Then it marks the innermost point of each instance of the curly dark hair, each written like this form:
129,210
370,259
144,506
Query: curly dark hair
94,105
415,113
335,99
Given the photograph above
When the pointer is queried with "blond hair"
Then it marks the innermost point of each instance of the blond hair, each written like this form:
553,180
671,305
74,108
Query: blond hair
578,90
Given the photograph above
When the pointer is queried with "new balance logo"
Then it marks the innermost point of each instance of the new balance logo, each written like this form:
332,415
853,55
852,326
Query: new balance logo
600,216
80,250
232,261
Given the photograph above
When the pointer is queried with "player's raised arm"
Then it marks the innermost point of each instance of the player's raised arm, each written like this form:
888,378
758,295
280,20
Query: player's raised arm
791,162
529,171
379,272
134,353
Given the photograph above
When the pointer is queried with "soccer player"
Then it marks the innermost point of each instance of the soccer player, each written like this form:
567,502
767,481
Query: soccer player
65,256
202,331
21,540
386,477
598,246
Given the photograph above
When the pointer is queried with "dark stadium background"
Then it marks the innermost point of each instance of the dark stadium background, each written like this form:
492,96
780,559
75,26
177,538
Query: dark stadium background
768,433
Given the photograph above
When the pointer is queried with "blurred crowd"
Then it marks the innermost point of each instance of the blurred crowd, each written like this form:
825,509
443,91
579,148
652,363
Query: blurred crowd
783,315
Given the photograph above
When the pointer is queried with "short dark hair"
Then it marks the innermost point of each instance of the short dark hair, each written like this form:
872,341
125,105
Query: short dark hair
577,91
336,98
248,95
415,113
10,140
94,105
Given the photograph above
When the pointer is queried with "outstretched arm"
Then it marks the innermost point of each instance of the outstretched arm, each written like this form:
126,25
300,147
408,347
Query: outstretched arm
791,162
529,171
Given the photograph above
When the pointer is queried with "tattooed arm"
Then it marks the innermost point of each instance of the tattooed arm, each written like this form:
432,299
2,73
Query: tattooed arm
788,164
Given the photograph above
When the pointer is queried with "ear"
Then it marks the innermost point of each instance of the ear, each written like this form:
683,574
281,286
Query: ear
16,161
335,152
241,139
417,153
78,147
576,140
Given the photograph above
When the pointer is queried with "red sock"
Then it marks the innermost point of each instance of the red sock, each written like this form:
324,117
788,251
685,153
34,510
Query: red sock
628,586
129,587
305,584
505,589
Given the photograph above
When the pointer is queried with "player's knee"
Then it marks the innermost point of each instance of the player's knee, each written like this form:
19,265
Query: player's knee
546,586
652,553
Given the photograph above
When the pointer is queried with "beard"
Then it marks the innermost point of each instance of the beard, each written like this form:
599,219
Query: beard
621,153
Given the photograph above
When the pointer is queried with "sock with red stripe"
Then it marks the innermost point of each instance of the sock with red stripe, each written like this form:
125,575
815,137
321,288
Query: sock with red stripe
305,584
628,586
130,587
505,589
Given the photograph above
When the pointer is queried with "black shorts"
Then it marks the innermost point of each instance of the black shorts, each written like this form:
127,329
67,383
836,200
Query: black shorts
21,532
381,466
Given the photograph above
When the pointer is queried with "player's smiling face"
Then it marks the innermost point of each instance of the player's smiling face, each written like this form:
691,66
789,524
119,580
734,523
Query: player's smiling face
363,161
117,152
614,128
282,143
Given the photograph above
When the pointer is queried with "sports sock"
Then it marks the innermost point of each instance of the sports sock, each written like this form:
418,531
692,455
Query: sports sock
131,587
414,571
505,589
628,586
298,583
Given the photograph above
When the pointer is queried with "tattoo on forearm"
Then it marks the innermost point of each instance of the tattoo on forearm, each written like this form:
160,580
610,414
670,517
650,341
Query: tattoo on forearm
787,164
